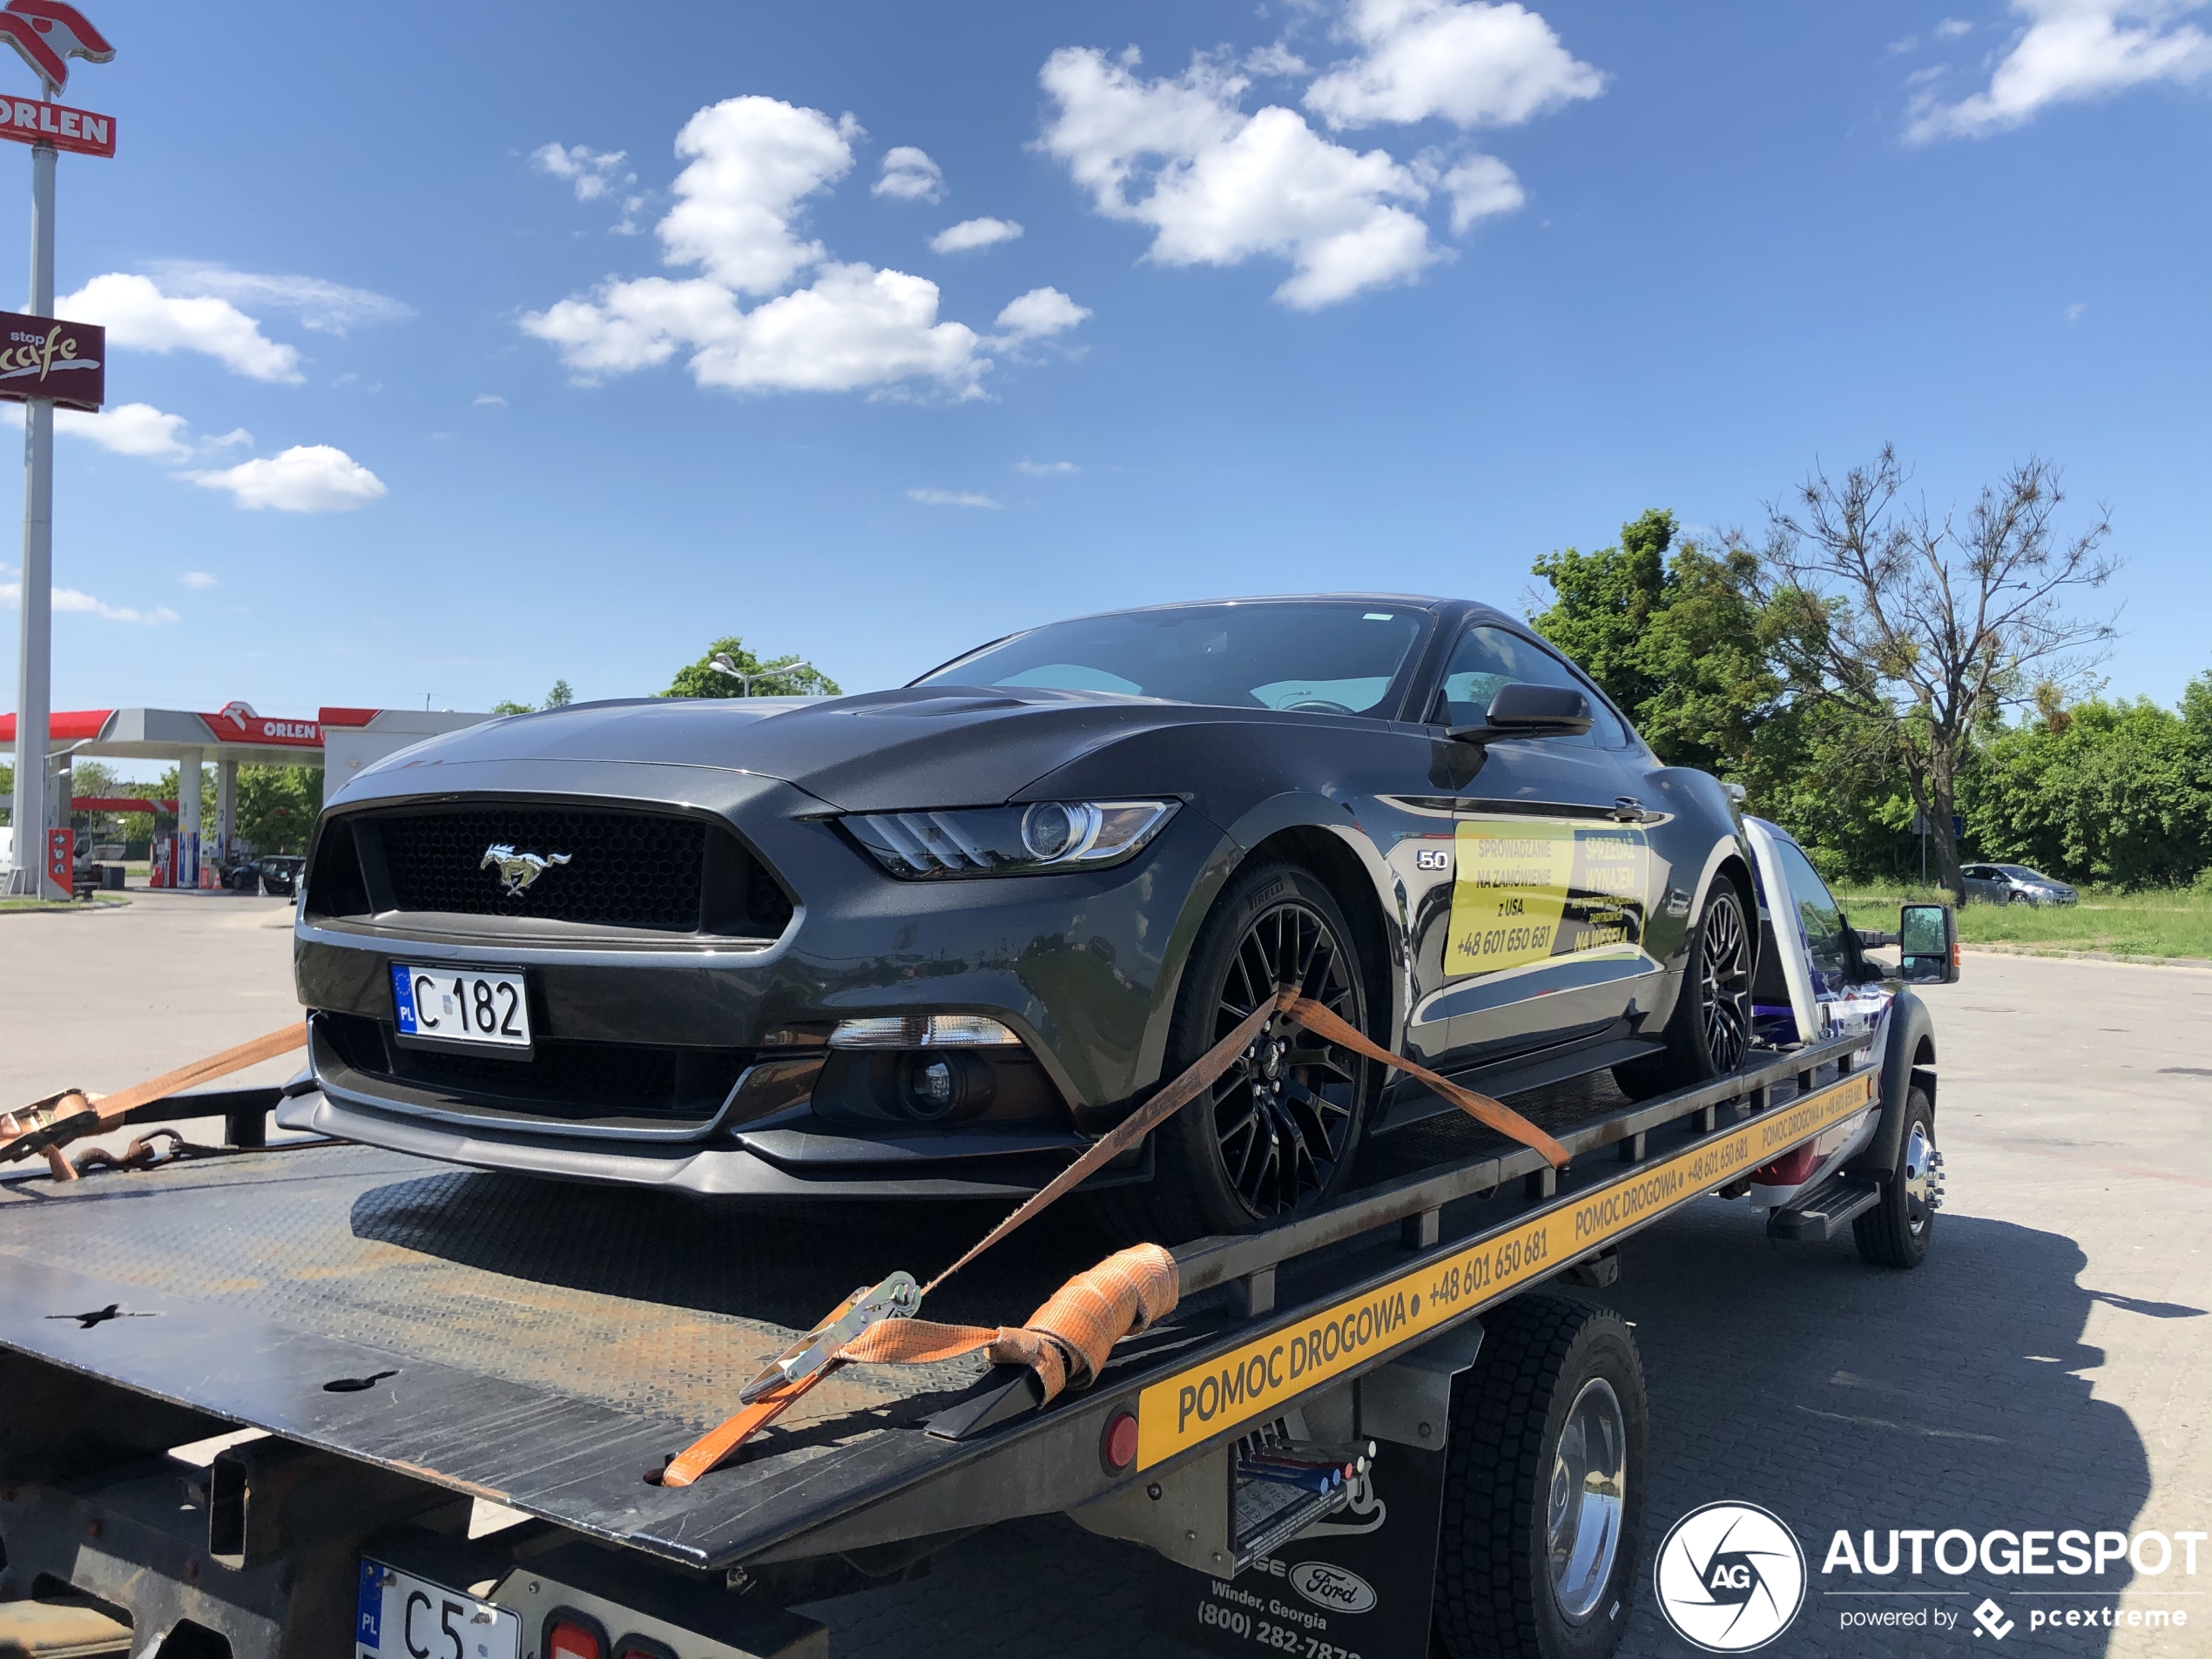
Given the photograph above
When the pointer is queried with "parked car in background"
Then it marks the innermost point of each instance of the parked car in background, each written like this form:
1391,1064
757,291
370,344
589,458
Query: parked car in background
2013,884
280,873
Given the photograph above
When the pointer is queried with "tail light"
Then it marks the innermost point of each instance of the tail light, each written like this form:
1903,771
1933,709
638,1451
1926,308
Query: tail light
642,1647
570,1634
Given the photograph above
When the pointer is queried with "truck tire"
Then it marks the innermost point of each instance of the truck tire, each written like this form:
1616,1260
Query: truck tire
1897,1232
1542,1536
1275,1135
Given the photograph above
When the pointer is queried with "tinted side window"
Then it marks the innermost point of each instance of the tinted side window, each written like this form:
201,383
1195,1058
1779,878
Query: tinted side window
1489,658
1819,918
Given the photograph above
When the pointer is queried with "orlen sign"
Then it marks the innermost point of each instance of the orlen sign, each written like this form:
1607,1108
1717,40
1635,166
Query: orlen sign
239,723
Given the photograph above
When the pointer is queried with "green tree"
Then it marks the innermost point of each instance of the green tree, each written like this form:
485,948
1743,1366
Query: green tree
702,679
1672,636
277,806
2118,792
559,698
1920,628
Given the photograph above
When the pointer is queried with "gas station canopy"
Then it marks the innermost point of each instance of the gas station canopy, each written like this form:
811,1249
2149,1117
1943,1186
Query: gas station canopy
346,739
340,740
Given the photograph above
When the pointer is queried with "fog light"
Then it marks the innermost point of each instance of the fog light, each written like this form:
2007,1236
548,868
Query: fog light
935,1088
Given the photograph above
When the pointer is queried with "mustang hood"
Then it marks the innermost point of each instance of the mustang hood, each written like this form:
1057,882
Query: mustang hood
926,747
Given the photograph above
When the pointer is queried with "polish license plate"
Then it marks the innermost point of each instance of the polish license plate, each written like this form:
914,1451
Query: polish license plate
455,1005
401,1616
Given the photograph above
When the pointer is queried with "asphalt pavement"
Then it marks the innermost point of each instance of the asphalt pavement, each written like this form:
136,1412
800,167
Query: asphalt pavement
2046,1369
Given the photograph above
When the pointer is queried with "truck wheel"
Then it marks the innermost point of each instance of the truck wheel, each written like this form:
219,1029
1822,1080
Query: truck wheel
1710,1028
1543,1487
1897,1232
1275,1136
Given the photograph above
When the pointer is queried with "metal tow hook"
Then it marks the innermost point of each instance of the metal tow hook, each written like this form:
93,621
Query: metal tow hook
897,1298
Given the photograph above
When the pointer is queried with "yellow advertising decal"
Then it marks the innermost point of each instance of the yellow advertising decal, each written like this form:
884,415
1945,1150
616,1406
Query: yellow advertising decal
1254,1382
1524,890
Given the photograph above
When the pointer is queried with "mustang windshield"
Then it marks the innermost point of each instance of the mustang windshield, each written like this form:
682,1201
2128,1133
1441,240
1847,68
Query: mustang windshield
1334,658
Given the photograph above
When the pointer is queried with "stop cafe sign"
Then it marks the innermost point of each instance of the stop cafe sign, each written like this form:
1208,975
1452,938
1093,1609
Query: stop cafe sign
48,357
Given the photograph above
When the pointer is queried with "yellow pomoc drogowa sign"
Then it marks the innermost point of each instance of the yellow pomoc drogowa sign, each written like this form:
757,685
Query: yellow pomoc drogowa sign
1254,1382
1526,890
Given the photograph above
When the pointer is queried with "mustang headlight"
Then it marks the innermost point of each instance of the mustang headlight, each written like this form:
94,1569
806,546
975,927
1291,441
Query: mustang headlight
1046,835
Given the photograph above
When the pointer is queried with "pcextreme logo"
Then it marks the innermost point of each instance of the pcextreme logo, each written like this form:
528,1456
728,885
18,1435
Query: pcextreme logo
1730,1577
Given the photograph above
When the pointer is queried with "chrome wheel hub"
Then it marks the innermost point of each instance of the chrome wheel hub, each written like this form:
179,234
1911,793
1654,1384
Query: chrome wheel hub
1590,1488
1923,1177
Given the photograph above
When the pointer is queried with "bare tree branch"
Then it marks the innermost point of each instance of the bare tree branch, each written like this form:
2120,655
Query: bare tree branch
1924,627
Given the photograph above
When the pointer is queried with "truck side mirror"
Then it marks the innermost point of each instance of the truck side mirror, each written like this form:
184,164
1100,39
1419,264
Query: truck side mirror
1927,944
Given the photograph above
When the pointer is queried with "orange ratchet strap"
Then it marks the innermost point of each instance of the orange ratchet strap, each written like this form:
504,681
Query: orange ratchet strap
46,1125
1066,1341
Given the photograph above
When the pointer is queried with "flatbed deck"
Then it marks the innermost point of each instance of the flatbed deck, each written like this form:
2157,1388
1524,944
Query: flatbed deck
544,1346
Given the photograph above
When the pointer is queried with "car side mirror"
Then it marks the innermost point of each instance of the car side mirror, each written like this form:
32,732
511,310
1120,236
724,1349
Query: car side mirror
1927,944
1520,710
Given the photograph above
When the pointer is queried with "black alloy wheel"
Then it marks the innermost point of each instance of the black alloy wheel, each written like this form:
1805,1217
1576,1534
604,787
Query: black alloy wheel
1711,1028
1725,982
1283,1114
1276,1133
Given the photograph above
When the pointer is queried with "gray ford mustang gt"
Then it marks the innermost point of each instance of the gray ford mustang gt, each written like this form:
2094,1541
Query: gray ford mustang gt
930,942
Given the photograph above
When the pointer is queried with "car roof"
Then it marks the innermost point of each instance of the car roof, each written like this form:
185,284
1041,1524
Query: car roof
1402,601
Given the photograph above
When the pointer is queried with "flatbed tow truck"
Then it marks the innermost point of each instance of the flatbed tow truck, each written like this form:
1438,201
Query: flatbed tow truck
301,1396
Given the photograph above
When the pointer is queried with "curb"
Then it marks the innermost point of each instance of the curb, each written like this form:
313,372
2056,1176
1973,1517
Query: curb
2090,955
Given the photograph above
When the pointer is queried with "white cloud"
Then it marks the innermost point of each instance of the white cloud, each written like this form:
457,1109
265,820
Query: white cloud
69,599
1952,28
1041,313
137,314
199,579
1473,64
2073,312
592,173
951,498
1478,186
1276,59
1899,48
753,162
2072,51
1046,468
129,429
307,478
910,175
328,307
971,234
488,400
230,440
1218,187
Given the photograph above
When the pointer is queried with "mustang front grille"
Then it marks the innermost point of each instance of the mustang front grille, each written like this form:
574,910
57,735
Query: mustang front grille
649,871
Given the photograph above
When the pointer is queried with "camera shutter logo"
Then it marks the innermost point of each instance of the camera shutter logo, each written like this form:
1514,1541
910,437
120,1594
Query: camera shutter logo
1730,1577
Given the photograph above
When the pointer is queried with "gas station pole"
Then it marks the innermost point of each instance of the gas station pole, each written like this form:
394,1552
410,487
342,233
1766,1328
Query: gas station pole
34,658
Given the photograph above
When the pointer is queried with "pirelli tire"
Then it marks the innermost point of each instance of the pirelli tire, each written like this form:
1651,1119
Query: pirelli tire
1542,1532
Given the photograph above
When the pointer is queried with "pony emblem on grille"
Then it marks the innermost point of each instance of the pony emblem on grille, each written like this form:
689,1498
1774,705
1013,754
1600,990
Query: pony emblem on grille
517,870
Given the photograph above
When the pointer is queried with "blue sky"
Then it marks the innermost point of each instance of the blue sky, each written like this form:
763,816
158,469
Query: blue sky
1395,293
